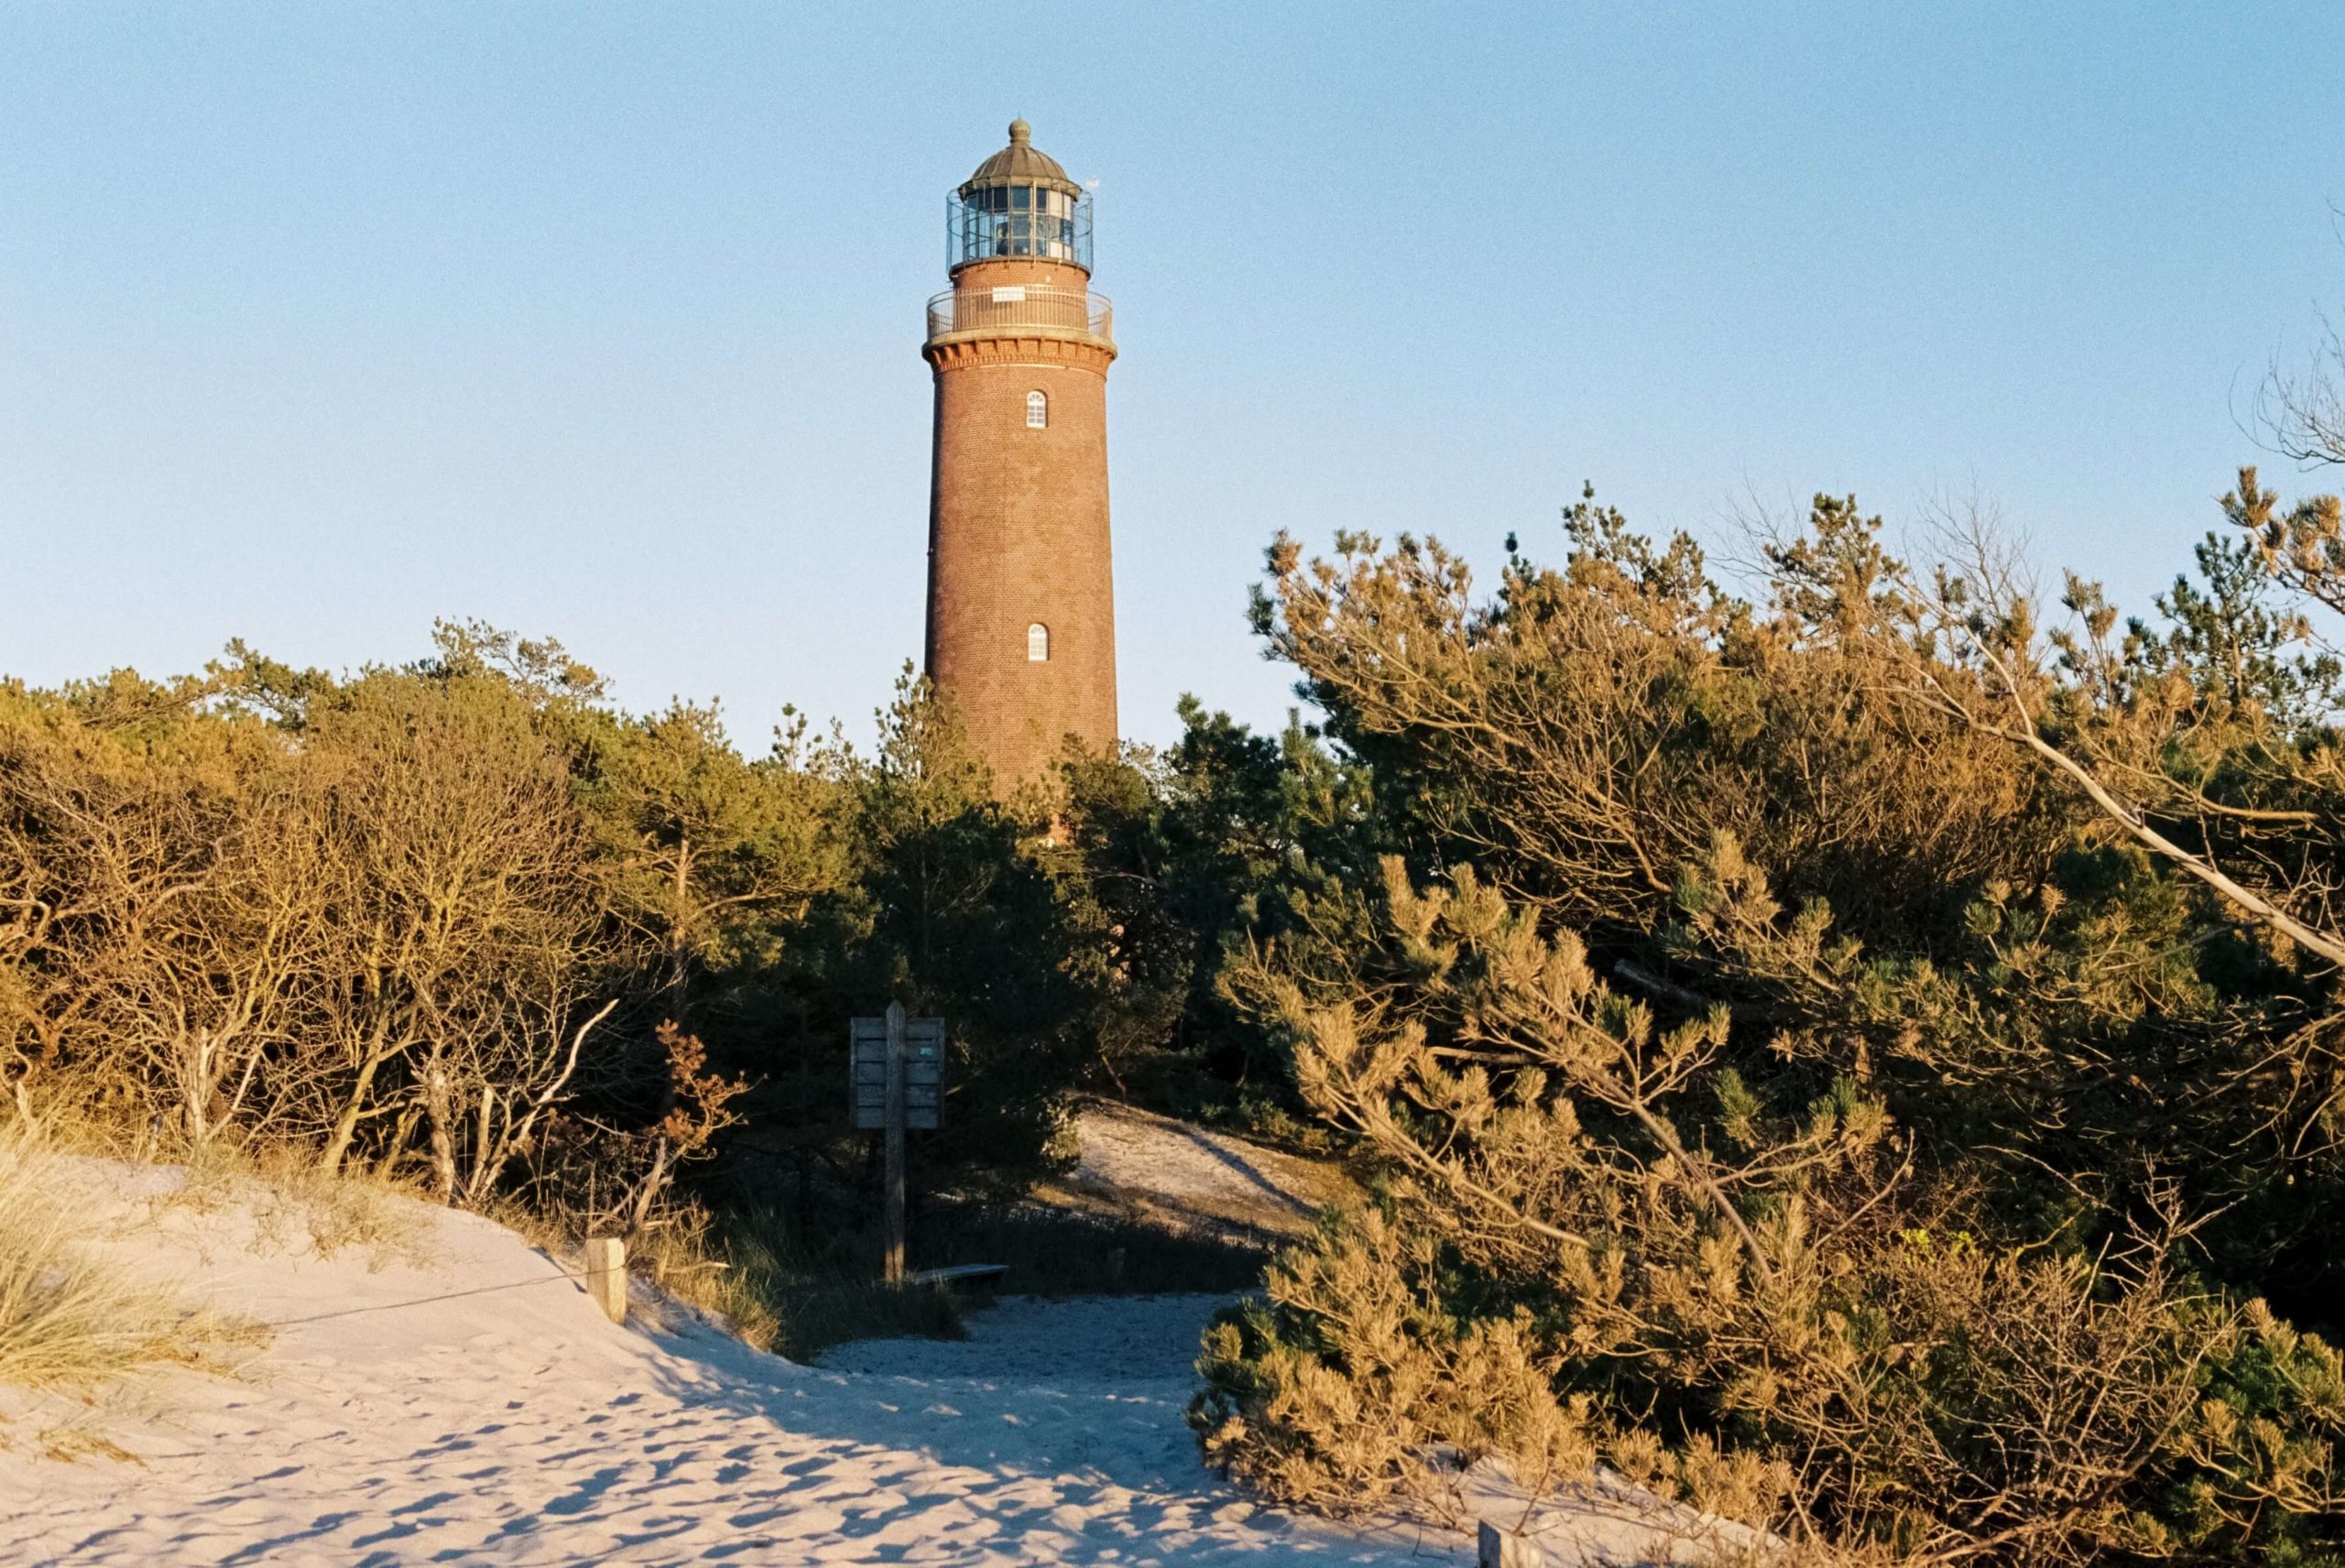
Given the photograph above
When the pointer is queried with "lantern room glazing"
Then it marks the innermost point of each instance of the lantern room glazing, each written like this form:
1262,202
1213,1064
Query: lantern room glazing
1018,204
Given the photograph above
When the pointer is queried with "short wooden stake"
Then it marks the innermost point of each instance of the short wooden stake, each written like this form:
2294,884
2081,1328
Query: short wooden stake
1496,1548
607,1275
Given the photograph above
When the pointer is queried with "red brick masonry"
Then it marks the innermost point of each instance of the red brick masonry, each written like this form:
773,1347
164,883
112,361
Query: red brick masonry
1018,533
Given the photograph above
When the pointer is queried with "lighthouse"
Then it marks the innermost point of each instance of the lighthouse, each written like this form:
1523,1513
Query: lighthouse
1021,615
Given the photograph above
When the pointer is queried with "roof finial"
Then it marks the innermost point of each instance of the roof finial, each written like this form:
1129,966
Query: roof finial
1021,133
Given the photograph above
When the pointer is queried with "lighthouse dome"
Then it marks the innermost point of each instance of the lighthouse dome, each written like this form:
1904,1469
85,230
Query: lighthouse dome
1020,163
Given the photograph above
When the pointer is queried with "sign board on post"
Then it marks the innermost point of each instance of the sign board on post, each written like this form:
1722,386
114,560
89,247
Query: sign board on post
896,1081
924,1072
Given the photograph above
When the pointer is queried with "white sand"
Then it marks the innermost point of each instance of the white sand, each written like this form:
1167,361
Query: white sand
515,1425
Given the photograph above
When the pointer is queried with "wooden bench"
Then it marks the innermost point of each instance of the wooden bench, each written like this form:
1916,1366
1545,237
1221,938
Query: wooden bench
984,1278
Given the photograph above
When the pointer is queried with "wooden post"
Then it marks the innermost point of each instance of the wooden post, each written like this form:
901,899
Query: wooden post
607,1275
1496,1548
892,1261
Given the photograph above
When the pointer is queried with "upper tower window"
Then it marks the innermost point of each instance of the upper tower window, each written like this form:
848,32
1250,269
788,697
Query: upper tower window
1037,412
1038,644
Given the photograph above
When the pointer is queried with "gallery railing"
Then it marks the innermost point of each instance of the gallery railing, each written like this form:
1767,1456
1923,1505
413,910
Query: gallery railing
1021,306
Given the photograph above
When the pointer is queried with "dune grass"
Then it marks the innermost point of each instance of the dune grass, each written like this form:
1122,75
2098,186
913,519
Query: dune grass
296,1208
69,1319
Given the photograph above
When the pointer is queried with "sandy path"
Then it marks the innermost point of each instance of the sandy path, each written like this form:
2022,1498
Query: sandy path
517,1426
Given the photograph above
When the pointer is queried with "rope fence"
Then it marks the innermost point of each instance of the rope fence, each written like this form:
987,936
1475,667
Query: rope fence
604,1279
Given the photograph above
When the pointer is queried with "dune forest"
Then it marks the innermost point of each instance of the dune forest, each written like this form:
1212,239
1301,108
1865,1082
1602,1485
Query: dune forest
1850,1041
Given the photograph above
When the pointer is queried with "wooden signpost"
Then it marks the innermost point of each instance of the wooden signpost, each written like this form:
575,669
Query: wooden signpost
896,1077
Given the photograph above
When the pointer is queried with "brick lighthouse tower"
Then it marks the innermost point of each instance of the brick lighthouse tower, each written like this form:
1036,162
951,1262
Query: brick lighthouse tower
1021,615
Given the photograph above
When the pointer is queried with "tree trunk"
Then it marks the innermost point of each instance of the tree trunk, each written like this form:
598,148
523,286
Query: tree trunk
436,1111
354,1110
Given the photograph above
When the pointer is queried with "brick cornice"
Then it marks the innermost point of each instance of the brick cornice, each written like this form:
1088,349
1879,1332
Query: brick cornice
961,350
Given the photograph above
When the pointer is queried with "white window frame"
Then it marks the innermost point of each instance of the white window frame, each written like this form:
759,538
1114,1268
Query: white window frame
1038,410
1038,643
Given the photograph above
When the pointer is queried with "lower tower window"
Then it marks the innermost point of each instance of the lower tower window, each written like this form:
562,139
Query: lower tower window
1037,412
1037,636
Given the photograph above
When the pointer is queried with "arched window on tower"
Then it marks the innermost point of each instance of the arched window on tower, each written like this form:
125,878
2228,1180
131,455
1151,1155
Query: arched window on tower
1037,412
1037,639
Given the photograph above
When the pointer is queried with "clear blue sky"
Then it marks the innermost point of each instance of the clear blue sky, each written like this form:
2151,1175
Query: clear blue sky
602,321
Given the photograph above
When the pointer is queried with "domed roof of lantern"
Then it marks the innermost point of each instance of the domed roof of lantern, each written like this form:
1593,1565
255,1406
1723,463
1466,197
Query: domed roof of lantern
1020,163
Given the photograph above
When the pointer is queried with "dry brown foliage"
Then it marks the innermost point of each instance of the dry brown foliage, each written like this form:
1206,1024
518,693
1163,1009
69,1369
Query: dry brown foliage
1596,726
380,936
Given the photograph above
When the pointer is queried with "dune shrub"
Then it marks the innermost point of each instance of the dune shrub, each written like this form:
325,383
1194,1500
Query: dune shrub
1848,1058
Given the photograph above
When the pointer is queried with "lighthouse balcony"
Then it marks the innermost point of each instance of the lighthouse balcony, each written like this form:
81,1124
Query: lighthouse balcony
1023,308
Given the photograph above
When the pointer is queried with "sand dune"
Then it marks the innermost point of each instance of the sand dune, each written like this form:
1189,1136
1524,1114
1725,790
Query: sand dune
475,1408
1152,1167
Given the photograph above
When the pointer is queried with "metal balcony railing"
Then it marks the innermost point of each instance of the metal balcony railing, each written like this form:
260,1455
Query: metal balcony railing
1063,312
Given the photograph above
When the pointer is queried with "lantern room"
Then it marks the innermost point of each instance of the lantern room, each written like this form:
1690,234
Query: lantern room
1018,203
